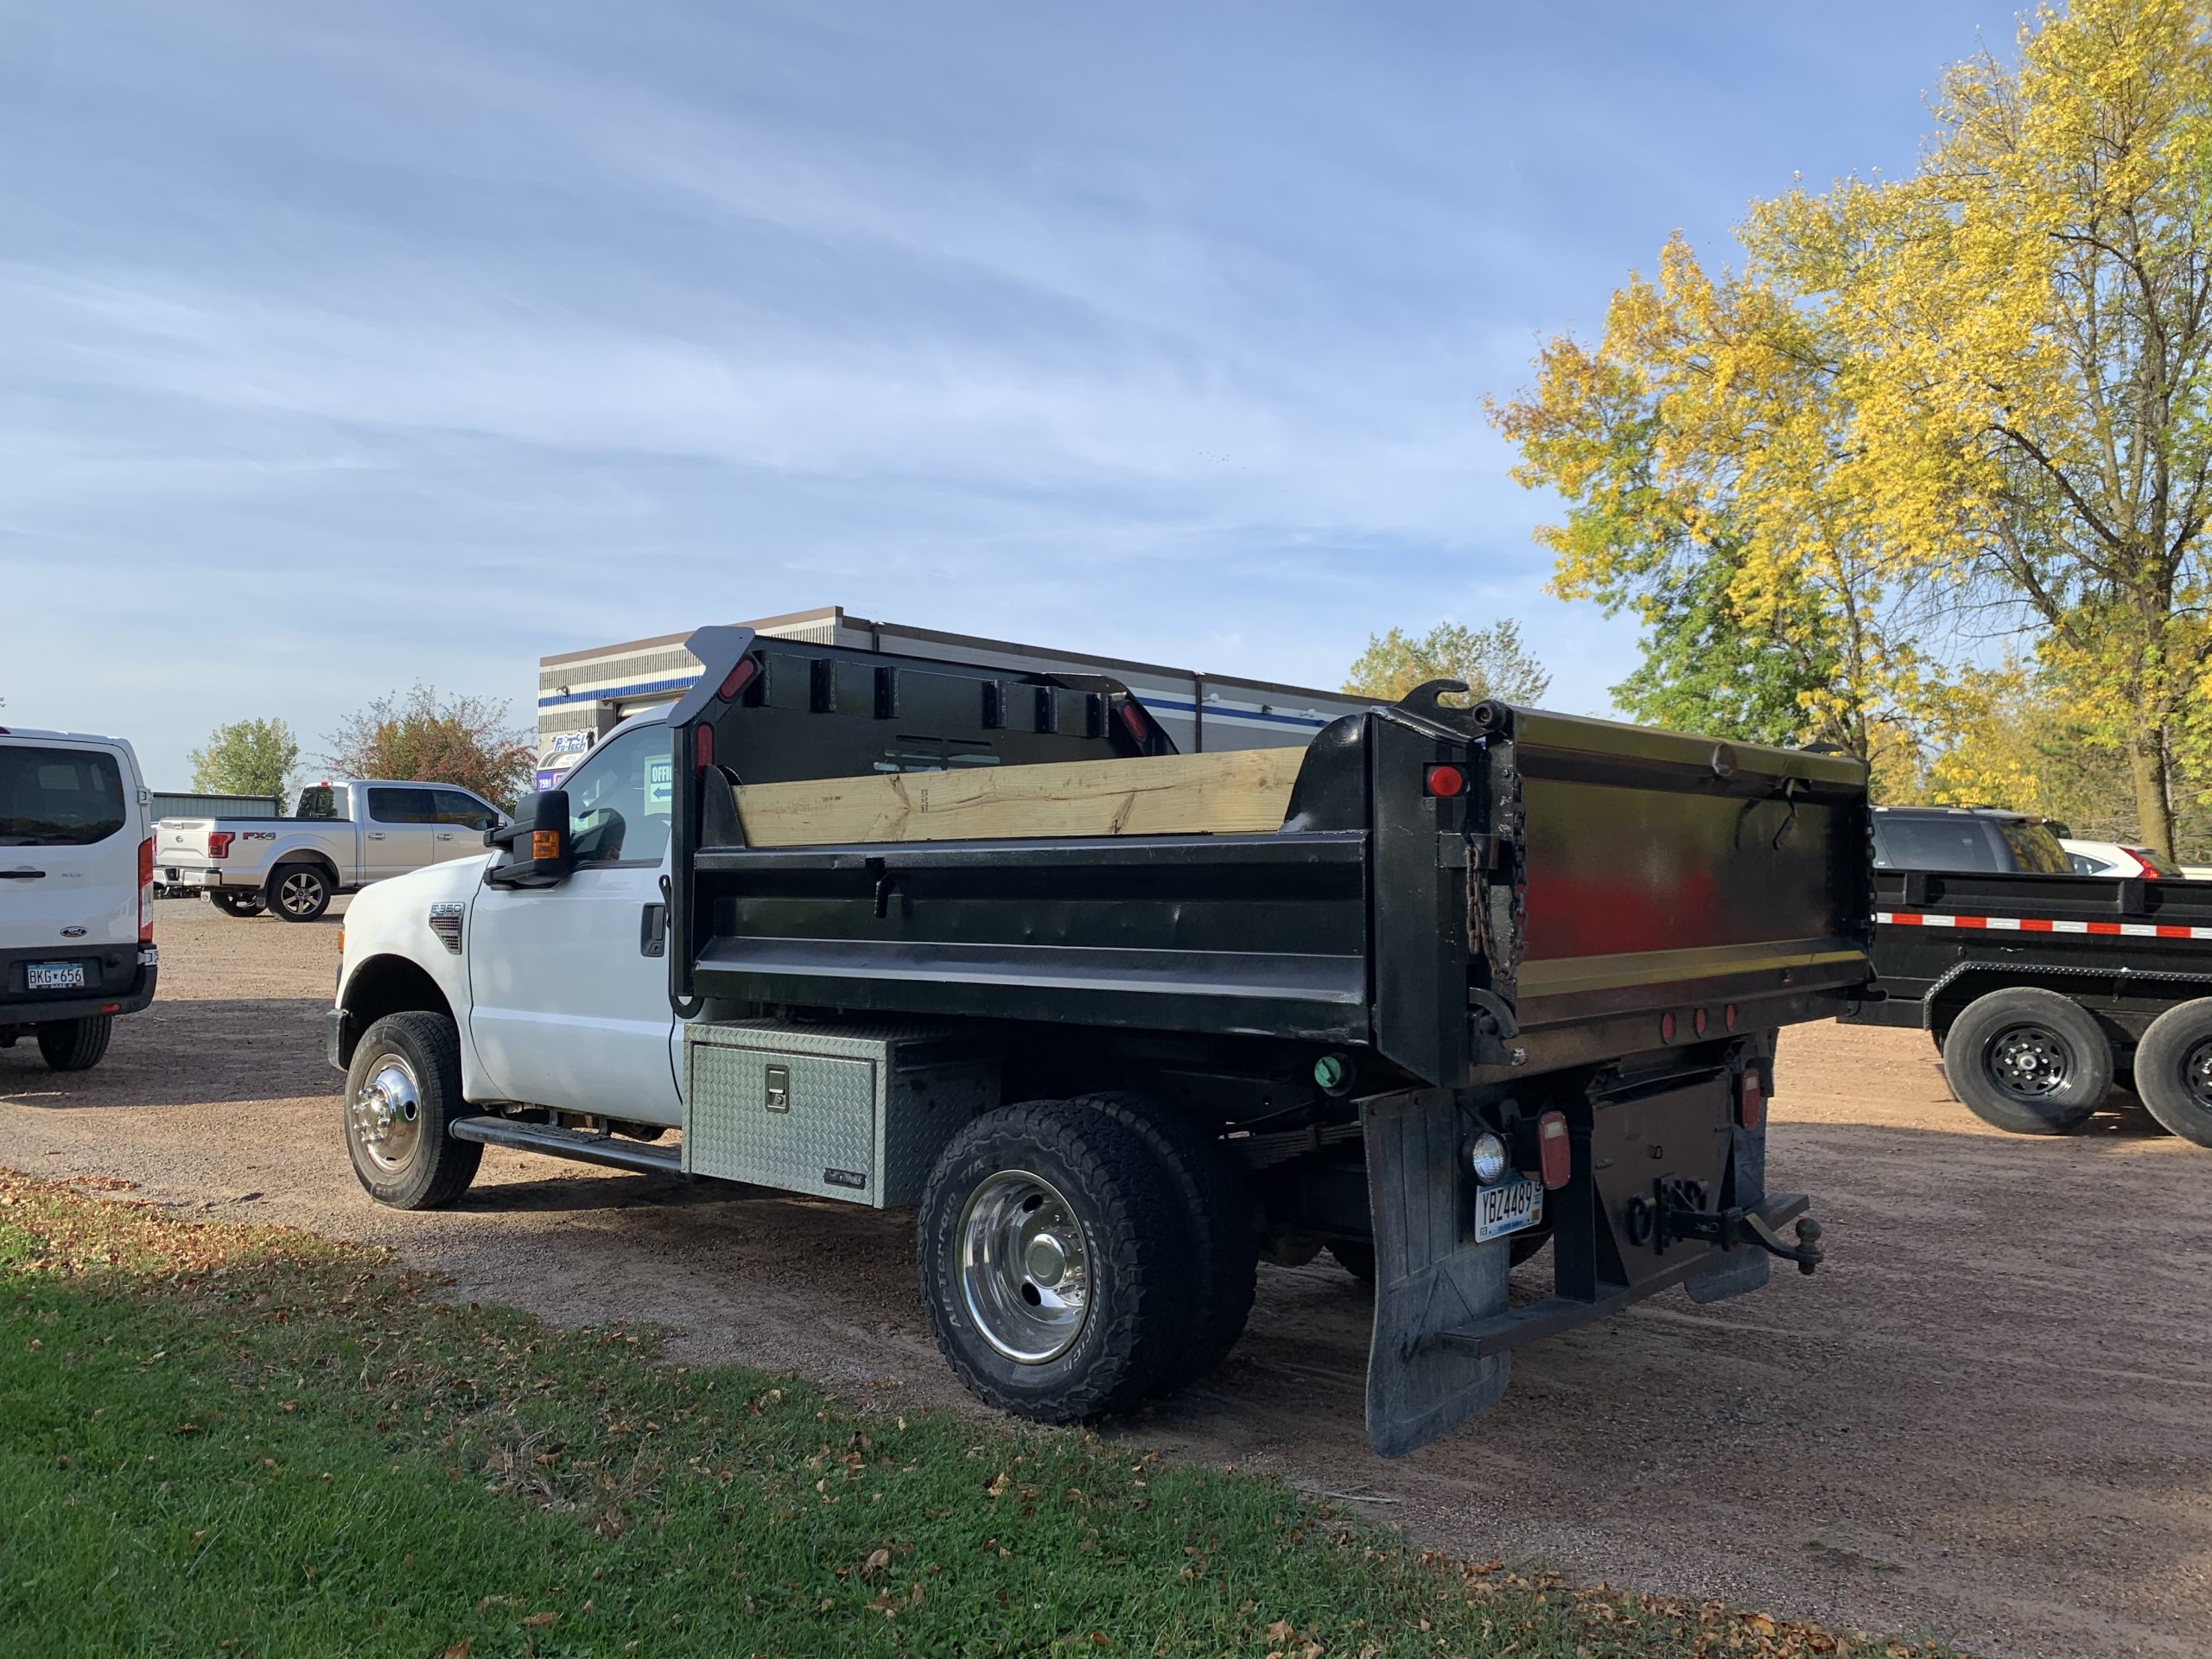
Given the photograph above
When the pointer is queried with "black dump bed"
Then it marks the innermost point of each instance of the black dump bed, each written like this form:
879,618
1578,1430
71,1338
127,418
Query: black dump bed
1594,889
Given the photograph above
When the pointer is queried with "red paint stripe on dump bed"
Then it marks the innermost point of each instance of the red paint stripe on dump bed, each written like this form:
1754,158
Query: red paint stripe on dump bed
2043,924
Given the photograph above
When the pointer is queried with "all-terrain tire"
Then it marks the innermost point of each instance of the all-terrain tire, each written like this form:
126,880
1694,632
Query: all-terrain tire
76,1045
405,1079
2028,1061
2173,1070
1221,1271
1131,1229
298,892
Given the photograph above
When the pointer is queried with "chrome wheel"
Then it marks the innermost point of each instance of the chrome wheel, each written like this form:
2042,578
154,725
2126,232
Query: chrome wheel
2030,1062
301,892
388,1115
2196,1073
1024,1272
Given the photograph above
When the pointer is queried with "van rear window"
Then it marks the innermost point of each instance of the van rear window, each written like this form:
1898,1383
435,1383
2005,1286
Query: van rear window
58,798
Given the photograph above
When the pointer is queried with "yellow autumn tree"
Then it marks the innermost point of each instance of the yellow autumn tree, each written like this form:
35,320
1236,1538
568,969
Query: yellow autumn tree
2028,322
1984,390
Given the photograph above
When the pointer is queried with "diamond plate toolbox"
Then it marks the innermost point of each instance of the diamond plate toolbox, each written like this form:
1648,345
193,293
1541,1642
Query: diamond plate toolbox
857,1111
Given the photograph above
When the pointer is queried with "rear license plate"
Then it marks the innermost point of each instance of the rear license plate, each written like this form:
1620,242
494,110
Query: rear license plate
1507,1208
56,975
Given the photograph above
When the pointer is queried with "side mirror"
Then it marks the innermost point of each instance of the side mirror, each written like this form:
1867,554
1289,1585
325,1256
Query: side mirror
540,852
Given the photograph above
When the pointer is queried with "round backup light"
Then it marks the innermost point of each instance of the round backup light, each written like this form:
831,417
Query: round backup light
1487,1158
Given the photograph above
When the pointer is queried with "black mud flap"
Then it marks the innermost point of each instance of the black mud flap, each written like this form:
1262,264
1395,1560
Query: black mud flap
1429,1276
1746,1267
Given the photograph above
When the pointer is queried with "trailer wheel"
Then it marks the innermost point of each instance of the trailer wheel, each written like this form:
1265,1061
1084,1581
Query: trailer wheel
1052,1241
2028,1061
1220,1275
76,1045
2173,1070
403,1091
298,892
239,904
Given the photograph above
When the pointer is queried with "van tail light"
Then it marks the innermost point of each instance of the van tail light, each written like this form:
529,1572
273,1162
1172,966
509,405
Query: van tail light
146,891
1555,1152
218,842
1750,1098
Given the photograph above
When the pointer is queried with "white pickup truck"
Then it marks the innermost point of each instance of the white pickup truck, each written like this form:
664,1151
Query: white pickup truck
341,837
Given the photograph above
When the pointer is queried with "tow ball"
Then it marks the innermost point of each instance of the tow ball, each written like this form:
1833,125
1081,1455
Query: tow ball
1677,1210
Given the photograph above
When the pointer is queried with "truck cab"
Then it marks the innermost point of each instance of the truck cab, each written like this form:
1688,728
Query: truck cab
76,893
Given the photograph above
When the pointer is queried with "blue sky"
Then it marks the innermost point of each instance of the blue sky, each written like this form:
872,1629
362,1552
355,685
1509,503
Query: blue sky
344,345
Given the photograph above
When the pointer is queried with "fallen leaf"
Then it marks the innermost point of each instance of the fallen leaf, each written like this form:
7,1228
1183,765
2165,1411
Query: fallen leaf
877,1560
539,1621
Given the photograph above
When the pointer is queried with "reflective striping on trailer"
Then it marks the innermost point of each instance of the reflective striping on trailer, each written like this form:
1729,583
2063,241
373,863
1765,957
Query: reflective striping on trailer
2045,924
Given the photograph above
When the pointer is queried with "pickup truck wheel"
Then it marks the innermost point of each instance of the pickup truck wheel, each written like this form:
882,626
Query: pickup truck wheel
1050,1241
403,1091
298,892
1221,1272
76,1045
2173,1070
239,904
2028,1061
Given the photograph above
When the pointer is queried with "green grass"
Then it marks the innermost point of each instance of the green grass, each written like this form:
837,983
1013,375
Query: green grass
225,1440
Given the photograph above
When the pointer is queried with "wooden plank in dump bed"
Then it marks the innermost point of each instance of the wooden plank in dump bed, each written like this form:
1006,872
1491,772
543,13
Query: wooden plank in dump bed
1239,791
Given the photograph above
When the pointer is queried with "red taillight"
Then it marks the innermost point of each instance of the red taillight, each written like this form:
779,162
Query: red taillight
2142,856
703,746
1729,1015
1445,782
738,678
1697,1021
146,892
1666,1027
218,842
1555,1152
1133,721
1751,1101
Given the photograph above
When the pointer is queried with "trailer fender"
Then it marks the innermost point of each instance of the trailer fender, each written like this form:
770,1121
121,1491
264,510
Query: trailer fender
1427,1279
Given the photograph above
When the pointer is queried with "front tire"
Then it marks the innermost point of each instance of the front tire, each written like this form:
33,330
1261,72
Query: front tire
403,1093
298,892
2173,1070
2028,1061
1051,1247
76,1045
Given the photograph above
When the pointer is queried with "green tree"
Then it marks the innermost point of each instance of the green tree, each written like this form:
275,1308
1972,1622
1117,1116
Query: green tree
1492,661
455,740
247,757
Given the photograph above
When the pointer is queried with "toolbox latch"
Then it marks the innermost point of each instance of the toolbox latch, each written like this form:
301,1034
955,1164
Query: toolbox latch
777,1090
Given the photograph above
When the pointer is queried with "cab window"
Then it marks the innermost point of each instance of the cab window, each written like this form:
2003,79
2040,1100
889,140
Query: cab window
622,799
401,806
462,810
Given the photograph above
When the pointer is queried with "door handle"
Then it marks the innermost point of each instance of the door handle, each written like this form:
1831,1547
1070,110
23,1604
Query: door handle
26,874
652,931
445,834
376,834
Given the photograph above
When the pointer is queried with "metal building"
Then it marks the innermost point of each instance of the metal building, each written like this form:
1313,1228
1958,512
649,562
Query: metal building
582,694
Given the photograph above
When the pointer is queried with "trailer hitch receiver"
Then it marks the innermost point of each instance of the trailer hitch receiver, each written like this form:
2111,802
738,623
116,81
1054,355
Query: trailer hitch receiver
1677,1210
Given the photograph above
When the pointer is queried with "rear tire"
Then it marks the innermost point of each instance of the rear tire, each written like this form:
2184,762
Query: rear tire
1051,1242
239,904
403,1093
2173,1070
76,1045
2028,1061
298,892
1221,1272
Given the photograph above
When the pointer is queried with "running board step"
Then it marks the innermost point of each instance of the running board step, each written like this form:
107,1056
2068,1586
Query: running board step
613,1151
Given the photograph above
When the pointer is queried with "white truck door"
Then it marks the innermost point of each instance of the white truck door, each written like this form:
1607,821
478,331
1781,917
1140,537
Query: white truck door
568,1008
398,833
70,829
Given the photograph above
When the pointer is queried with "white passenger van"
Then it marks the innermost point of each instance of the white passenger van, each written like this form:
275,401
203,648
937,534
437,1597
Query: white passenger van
76,893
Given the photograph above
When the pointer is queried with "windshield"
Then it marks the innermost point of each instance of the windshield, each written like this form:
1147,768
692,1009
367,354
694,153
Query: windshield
59,798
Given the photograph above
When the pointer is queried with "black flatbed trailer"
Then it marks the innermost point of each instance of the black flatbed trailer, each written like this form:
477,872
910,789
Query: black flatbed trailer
2044,991
1501,978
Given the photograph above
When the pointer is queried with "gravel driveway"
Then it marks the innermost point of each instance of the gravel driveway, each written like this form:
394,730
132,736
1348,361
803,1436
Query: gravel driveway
1986,1419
